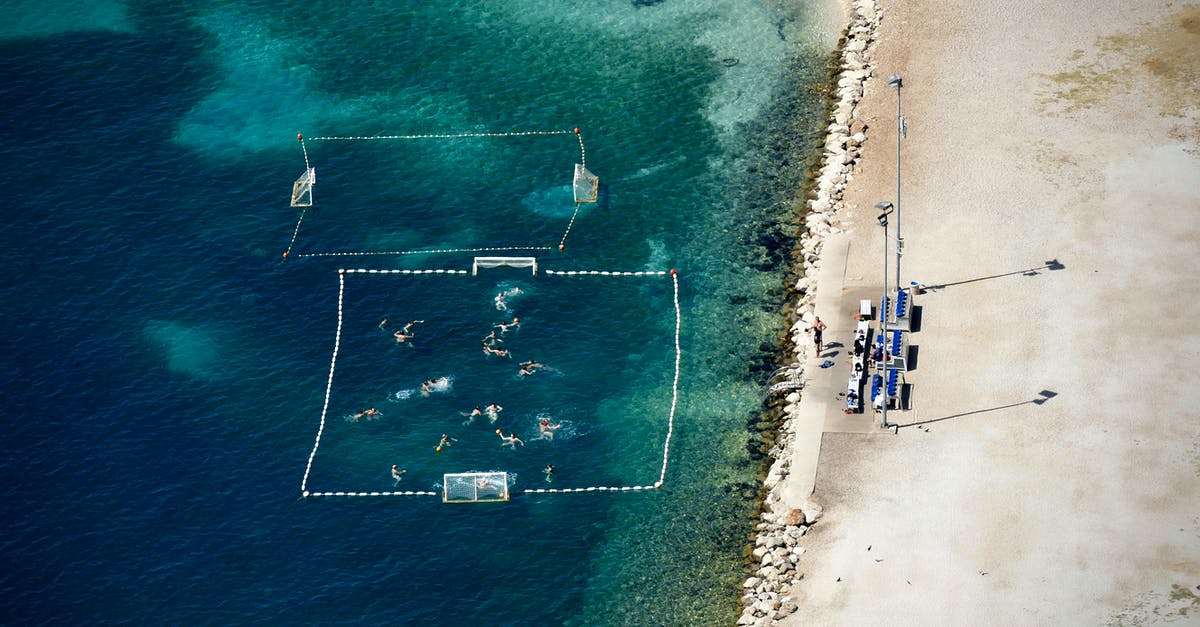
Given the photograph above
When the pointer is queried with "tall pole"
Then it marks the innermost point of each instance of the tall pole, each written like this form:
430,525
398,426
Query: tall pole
897,82
886,208
883,307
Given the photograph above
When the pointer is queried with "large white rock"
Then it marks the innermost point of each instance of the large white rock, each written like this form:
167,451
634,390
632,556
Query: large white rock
812,512
865,8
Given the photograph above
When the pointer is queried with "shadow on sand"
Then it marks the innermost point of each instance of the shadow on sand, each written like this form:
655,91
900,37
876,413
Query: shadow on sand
1053,264
1043,396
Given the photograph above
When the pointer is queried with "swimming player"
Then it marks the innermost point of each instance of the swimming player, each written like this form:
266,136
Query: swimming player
510,439
369,413
546,430
446,440
505,326
492,350
493,412
472,415
440,384
397,474
402,337
383,323
500,304
549,472
407,330
529,367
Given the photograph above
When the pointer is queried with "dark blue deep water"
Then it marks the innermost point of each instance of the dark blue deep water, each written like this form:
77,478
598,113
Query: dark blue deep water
165,369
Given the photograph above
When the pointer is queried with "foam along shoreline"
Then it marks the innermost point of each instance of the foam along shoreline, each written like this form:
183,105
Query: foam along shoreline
767,593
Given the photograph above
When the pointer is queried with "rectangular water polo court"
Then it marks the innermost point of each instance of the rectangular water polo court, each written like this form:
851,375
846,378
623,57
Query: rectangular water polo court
428,385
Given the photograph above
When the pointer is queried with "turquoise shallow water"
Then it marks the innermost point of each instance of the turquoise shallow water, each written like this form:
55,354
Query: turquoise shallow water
166,371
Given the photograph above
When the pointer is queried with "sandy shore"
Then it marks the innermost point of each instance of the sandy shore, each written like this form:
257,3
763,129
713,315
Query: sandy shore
1048,468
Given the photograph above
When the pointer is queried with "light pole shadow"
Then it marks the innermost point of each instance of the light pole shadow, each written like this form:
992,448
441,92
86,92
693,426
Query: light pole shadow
1052,264
1043,396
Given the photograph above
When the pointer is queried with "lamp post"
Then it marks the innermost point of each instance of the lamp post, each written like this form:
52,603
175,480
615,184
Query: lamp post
896,82
886,208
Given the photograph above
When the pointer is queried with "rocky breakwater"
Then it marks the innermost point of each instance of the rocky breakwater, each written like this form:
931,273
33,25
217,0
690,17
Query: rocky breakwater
777,553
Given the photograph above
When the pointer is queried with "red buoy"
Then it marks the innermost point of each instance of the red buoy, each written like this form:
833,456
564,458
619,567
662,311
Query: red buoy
576,130
672,271
560,246
299,137
285,254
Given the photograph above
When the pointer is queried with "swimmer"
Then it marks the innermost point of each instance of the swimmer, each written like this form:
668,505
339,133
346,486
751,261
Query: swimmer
440,384
446,440
407,330
493,412
491,338
397,474
402,337
529,367
500,304
546,430
472,415
369,413
483,483
509,440
383,323
549,472
488,349
505,326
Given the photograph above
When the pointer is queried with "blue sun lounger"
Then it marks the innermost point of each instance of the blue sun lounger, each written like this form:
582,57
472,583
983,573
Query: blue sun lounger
899,312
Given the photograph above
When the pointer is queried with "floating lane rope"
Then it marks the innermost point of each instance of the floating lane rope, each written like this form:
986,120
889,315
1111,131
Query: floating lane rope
441,136
608,273
563,242
377,271
393,493
337,341
300,138
582,152
437,251
295,232
674,384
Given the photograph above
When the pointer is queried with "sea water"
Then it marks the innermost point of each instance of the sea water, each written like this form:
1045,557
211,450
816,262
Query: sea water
167,370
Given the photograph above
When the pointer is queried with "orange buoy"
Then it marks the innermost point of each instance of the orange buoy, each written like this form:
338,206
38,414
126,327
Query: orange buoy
560,246
576,130
672,271
299,137
285,254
